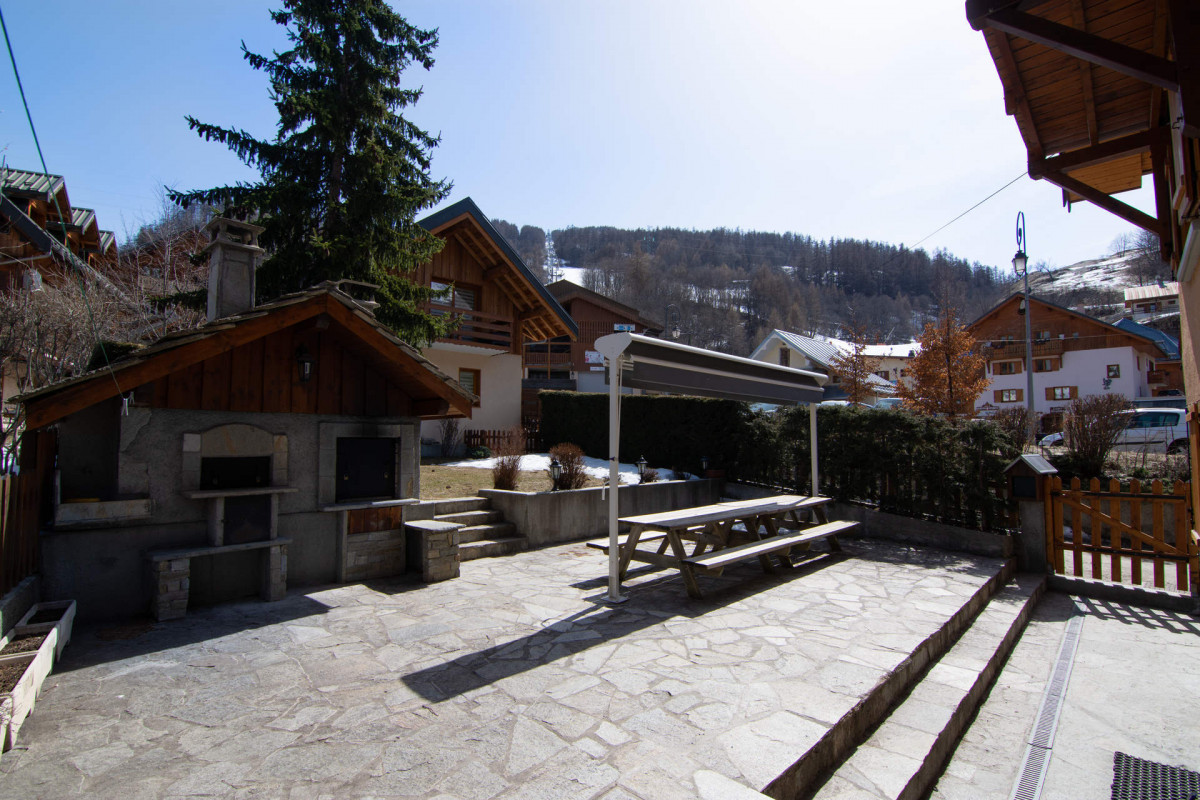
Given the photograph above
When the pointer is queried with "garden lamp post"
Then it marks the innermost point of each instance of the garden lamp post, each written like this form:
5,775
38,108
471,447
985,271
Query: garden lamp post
1021,267
704,464
641,465
555,473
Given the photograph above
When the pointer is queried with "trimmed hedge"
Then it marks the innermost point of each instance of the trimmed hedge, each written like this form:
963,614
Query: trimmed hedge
905,463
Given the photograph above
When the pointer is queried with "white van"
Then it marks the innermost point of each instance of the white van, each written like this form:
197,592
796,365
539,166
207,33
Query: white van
1155,430
1151,430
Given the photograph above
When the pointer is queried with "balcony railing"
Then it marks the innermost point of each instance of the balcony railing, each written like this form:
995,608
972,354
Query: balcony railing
1041,348
1156,377
540,358
475,327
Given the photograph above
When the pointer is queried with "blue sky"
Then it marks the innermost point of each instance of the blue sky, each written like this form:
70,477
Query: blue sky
866,119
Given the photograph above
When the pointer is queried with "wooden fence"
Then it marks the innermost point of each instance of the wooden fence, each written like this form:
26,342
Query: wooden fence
21,509
1112,534
497,440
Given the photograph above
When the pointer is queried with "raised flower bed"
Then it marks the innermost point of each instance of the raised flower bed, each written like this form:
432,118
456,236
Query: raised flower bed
27,655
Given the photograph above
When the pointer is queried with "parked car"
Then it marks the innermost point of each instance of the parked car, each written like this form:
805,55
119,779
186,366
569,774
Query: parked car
1154,430
889,402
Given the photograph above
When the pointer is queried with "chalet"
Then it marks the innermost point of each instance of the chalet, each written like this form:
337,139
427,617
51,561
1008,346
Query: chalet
42,233
242,457
560,363
1155,300
1074,356
501,305
818,354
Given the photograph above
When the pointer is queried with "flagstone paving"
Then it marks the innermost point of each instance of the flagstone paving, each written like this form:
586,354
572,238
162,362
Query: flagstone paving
513,681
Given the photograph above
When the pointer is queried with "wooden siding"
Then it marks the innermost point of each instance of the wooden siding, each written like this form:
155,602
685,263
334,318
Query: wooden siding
263,376
1062,327
594,321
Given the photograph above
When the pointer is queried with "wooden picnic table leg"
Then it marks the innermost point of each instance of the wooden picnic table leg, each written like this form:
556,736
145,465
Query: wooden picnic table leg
631,541
689,576
752,525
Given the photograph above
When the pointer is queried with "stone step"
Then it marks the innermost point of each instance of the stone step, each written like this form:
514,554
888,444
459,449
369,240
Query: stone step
487,548
494,530
905,755
484,517
456,505
835,745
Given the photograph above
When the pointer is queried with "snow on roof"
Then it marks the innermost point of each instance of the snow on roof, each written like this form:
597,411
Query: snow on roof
824,349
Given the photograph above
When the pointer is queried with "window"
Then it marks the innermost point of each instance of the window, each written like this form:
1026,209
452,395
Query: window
785,357
883,374
1062,392
1114,370
903,373
1045,365
1006,367
469,380
464,297
1008,395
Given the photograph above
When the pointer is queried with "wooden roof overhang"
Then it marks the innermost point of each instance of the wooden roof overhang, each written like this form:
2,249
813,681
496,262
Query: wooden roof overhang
1104,92
1135,340
565,291
539,315
434,393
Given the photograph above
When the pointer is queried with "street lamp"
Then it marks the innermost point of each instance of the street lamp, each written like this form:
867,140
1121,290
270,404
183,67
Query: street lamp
1021,267
555,473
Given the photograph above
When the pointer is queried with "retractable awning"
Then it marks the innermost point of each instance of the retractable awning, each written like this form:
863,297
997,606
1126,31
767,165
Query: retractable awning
642,362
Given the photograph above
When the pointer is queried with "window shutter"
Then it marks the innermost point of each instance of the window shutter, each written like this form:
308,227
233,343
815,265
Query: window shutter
1049,392
1074,392
996,398
1020,395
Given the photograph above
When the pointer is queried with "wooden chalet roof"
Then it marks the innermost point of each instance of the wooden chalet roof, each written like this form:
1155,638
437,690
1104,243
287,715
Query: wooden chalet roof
565,291
28,185
1010,304
1087,83
434,393
541,315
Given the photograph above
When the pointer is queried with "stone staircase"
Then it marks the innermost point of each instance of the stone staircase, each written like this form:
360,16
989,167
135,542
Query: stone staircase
485,532
896,742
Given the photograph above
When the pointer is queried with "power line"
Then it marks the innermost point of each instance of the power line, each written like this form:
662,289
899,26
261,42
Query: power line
972,208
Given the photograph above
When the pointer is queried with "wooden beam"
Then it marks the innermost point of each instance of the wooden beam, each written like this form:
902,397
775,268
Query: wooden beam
43,410
1107,202
1159,153
978,10
1097,154
1021,110
1185,33
1130,61
1079,17
1157,95
435,407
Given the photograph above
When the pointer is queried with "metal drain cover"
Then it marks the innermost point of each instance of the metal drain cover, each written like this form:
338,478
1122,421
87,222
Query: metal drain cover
1138,779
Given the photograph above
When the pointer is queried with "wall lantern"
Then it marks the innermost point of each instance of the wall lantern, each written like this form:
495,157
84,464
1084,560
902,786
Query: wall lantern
641,465
555,473
304,361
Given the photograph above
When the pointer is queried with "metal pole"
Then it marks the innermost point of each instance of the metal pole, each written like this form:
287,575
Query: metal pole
812,446
1032,421
614,479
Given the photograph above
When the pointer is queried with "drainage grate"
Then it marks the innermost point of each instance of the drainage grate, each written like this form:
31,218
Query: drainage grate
1138,779
1037,754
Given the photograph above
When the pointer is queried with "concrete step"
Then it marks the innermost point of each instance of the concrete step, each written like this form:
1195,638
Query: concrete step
487,548
457,505
482,517
904,756
492,530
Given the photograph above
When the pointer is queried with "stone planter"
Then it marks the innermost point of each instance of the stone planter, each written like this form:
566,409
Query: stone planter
59,630
18,704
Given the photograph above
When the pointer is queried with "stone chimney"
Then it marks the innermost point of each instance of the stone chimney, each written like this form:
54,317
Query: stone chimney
233,257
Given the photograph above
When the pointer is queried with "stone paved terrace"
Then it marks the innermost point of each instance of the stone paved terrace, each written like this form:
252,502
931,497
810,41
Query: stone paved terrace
510,682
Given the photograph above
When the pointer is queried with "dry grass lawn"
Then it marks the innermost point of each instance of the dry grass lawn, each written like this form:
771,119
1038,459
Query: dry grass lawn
440,482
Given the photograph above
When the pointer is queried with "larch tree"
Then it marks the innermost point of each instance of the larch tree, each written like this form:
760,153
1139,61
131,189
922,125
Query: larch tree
948,372
854,367
346,174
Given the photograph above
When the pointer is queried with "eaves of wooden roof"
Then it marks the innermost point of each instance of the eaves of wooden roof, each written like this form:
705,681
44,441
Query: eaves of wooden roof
565,291
434,393
540,314
1015,299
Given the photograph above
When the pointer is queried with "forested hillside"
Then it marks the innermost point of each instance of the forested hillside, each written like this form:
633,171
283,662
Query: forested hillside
528,240
732,287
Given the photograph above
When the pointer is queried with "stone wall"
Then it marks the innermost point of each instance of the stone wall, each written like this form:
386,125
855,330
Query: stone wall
378,554
434,548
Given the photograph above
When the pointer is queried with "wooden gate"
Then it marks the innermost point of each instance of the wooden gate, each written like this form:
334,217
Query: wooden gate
1113,535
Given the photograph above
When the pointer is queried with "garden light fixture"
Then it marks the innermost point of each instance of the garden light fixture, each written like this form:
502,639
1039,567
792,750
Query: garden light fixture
555,473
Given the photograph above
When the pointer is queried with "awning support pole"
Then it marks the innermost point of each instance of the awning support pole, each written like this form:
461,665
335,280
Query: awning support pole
614,479
812,447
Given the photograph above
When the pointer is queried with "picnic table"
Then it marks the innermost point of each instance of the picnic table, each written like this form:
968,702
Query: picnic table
725,533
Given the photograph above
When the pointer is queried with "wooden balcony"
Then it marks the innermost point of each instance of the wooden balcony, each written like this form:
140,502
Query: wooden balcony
540,358
475,328
1041,349
1156,377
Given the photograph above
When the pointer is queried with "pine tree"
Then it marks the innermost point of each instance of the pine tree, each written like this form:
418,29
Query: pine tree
855,368
346,174
948,372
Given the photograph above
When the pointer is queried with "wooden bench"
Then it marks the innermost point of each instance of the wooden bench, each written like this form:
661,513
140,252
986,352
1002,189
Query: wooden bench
782,544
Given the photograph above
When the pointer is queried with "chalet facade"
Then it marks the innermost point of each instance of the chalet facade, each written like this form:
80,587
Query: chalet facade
258,451
577,366
36,238
1074,356
1148,302
806,352
502,306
